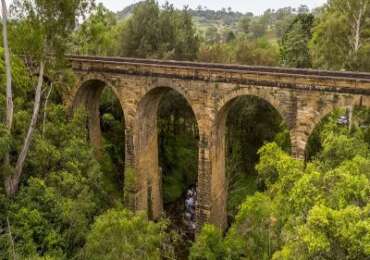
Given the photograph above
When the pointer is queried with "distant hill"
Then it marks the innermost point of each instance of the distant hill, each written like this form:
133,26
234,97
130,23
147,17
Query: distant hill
203,18
221,19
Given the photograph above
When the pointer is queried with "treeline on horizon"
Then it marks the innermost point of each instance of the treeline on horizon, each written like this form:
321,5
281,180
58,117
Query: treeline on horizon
328,37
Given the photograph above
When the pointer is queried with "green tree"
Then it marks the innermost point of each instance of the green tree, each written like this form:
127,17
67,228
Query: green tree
120,234
99,34
187,42
258,27
218,53
339,37
244,24
252,234
284,18
152,32
50,25
141,33
317,211
209,245
246,133
178,146
212,35
256,52
294,50
55,206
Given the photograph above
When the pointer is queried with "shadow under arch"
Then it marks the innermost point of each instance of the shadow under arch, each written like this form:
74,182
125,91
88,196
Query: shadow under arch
219,181
88,96
149,178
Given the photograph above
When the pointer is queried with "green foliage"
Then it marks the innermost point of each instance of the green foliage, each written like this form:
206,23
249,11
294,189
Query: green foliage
258,27
21,81
290,211
45,26
55,207
245,24
178,146
257,52
22,84
152,32
246,133
209,245
256,242
333,234
294,49
313,212
5,141
328,130
339,37
276,165
113,128
99,34
33,215
180,171
217,53
337,149
130,185
120,234
241,51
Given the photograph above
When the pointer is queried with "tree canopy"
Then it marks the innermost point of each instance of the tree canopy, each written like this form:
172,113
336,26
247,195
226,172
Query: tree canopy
59,201
318,210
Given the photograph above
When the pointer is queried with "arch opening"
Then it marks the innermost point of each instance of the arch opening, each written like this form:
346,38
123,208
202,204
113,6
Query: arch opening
344,120
243,126
167,154
178,159
106,127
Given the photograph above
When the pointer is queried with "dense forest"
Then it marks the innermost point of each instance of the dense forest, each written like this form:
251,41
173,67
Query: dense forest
60,201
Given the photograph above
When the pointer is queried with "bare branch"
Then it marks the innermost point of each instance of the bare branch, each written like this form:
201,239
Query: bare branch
45,108
12,182
8,72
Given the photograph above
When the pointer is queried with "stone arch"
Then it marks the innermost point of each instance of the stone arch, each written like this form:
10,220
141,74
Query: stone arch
88,94
331,104
218,158
149,193
176,86
273,96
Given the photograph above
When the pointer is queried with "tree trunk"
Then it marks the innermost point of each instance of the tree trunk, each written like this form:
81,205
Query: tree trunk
45,108
12,182
357,24
9,91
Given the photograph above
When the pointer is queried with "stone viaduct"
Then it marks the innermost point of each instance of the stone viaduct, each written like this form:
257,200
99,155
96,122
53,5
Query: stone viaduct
302,97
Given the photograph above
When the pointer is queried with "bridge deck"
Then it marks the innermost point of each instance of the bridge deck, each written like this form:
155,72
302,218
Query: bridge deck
358,76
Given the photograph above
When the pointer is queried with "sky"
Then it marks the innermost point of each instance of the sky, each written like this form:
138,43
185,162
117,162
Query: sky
255,6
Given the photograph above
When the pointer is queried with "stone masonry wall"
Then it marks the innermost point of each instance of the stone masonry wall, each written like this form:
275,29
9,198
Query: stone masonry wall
302,101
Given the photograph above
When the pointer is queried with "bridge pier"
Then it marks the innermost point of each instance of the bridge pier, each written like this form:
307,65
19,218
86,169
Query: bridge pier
299,142
203,210
92,107
148,177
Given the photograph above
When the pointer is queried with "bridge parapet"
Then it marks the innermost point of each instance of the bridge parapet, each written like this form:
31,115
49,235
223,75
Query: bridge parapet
300,79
